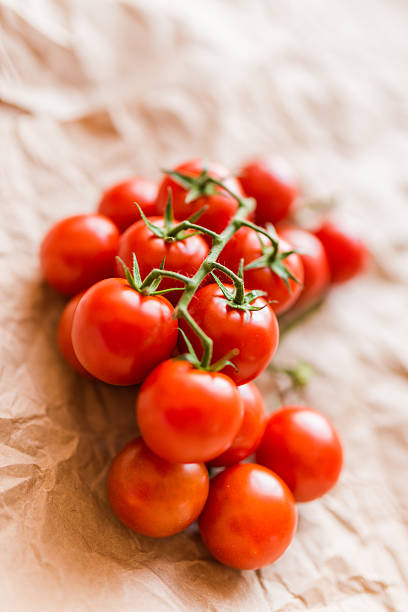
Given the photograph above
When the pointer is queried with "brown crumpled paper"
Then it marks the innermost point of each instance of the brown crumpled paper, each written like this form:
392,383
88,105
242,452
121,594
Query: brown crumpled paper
94,91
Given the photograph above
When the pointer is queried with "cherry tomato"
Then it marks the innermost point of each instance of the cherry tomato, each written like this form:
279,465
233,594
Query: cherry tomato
346,253
184,256
64,337
221,206
315,263
245,245
251,431
151,495
118,202
119,335
188,415
273,184
250,517
79,251
302,446
254,333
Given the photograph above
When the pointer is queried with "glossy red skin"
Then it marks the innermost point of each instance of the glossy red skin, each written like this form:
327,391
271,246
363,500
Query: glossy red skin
221,207
117,203
303,447
273,184
79,251
255,333
250,517
152,496
64,337
316,269
119,336
346,253
251,431
183,256
245,245
187,415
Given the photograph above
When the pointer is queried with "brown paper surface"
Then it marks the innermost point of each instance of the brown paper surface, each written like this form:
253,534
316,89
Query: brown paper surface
94,91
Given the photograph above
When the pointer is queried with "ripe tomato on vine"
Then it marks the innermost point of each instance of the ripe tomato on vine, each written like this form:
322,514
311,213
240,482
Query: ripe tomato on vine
196,355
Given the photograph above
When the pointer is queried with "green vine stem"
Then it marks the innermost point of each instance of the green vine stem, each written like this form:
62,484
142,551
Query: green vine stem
158,273
237,280
245,207
219,242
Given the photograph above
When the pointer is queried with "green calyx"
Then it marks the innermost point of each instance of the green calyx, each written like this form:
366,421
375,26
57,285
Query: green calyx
205,185
199,186
149,286
238,298
172,232
191,357
274,259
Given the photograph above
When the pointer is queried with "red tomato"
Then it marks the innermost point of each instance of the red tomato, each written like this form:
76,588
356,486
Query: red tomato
251,431
250,517
245,245
346,253
221,206
119,335
302,446
153,496
273,184
184,256
79,251
254,333
64,337
315,264
118,202
188,415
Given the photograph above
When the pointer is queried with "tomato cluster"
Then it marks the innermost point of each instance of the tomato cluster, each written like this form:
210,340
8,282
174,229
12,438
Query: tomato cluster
188,308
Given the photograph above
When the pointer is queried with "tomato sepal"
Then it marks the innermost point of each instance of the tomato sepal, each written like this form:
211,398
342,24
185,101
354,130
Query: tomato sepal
149,286
197,187
273,259
191,357
172,232
244,302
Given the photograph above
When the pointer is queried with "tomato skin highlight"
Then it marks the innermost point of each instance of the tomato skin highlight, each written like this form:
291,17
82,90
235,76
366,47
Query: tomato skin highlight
183,256
221,207
188,415
316,269
118,335
152,496
245,245
117,202
79,251
345,251
251,431
249,518
64,336
273,184
303,447
255,333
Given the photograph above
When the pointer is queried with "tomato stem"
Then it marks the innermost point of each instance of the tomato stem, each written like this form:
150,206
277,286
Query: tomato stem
259,230
244,207
191,285
238,282
188,225
158,273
